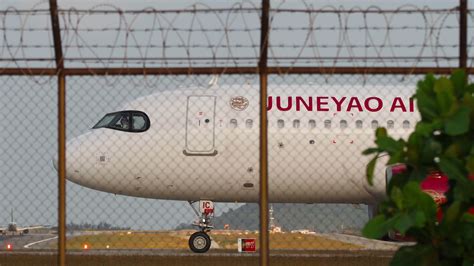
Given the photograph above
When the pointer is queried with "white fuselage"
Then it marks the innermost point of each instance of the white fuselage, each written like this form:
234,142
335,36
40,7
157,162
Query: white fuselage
204,144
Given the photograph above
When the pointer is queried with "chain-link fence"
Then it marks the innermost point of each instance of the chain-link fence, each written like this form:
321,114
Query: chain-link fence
163,121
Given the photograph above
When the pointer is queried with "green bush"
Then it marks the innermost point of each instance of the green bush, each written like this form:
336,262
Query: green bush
443,140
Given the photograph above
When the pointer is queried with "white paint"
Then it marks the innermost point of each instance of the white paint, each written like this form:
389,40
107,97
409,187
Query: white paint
37,242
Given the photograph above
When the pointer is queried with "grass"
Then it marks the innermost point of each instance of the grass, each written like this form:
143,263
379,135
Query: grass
129,240
286,241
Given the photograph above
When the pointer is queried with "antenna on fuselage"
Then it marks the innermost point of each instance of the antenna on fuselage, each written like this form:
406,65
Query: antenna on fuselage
213,81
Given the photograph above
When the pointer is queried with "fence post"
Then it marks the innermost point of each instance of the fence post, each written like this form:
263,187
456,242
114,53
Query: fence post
61,132
463,34
263,71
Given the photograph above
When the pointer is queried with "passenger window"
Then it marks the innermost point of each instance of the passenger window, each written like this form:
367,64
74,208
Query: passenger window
359,124
327,123
374,124
248,123
280,123
390,124
343,124
233,123
406,124
312,123
296,123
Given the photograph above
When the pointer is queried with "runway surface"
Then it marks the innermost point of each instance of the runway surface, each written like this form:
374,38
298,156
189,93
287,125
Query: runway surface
28,241
38,249
44,243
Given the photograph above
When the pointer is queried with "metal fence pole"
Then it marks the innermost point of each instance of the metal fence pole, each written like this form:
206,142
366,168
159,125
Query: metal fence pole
263,71
463,34
62,169
61,132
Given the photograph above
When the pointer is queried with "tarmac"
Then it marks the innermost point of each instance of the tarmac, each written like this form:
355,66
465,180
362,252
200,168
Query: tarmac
35,249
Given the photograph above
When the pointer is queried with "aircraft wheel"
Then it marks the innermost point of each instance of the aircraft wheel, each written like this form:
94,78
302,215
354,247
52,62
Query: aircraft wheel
199,242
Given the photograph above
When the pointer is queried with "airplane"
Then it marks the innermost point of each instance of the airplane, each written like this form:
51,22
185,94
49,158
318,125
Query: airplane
13,228
202,145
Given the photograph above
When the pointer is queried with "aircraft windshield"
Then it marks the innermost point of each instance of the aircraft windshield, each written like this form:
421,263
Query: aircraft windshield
132,121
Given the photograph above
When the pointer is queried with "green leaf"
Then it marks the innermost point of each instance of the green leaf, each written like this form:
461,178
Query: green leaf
412,255
427,84
431,149
468,101
403,223
420,218
453,212
458,124
458,79
397,196
470,88
381,132
427,105
396,157
376,227
452,167
370,151
369,171
415,198
453,150
445,95
425,129
468,262
464,190
470,164
389,144
467,217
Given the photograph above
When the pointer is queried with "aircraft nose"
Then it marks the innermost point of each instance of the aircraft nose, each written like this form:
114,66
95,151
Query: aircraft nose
73,148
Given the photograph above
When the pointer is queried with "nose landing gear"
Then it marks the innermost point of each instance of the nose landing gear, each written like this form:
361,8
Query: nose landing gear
200,242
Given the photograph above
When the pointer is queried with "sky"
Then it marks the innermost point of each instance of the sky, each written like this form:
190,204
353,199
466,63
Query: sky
27,179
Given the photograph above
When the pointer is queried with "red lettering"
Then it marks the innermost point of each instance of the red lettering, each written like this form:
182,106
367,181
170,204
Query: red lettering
354,103
373,109
320,103
412,105
338,103
270,103
398,103
288,106
308,105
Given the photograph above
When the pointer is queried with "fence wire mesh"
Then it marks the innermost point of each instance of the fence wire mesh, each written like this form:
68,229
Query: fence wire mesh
29,143
144,150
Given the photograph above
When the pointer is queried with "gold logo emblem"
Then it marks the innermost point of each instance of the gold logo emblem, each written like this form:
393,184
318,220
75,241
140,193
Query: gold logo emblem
239,103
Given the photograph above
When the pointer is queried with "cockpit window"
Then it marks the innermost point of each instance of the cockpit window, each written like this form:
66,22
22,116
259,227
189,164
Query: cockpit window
105,120
131,121
139,122
123,122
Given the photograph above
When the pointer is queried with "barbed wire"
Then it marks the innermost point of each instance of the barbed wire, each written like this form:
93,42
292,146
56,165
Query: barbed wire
329,36
414,27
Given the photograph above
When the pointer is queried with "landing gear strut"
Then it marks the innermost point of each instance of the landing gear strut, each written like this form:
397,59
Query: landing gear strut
200,242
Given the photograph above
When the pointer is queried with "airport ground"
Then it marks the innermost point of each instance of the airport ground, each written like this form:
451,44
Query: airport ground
170,248
209,259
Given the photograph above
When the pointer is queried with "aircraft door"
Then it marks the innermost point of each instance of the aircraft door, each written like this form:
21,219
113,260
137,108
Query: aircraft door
200,125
